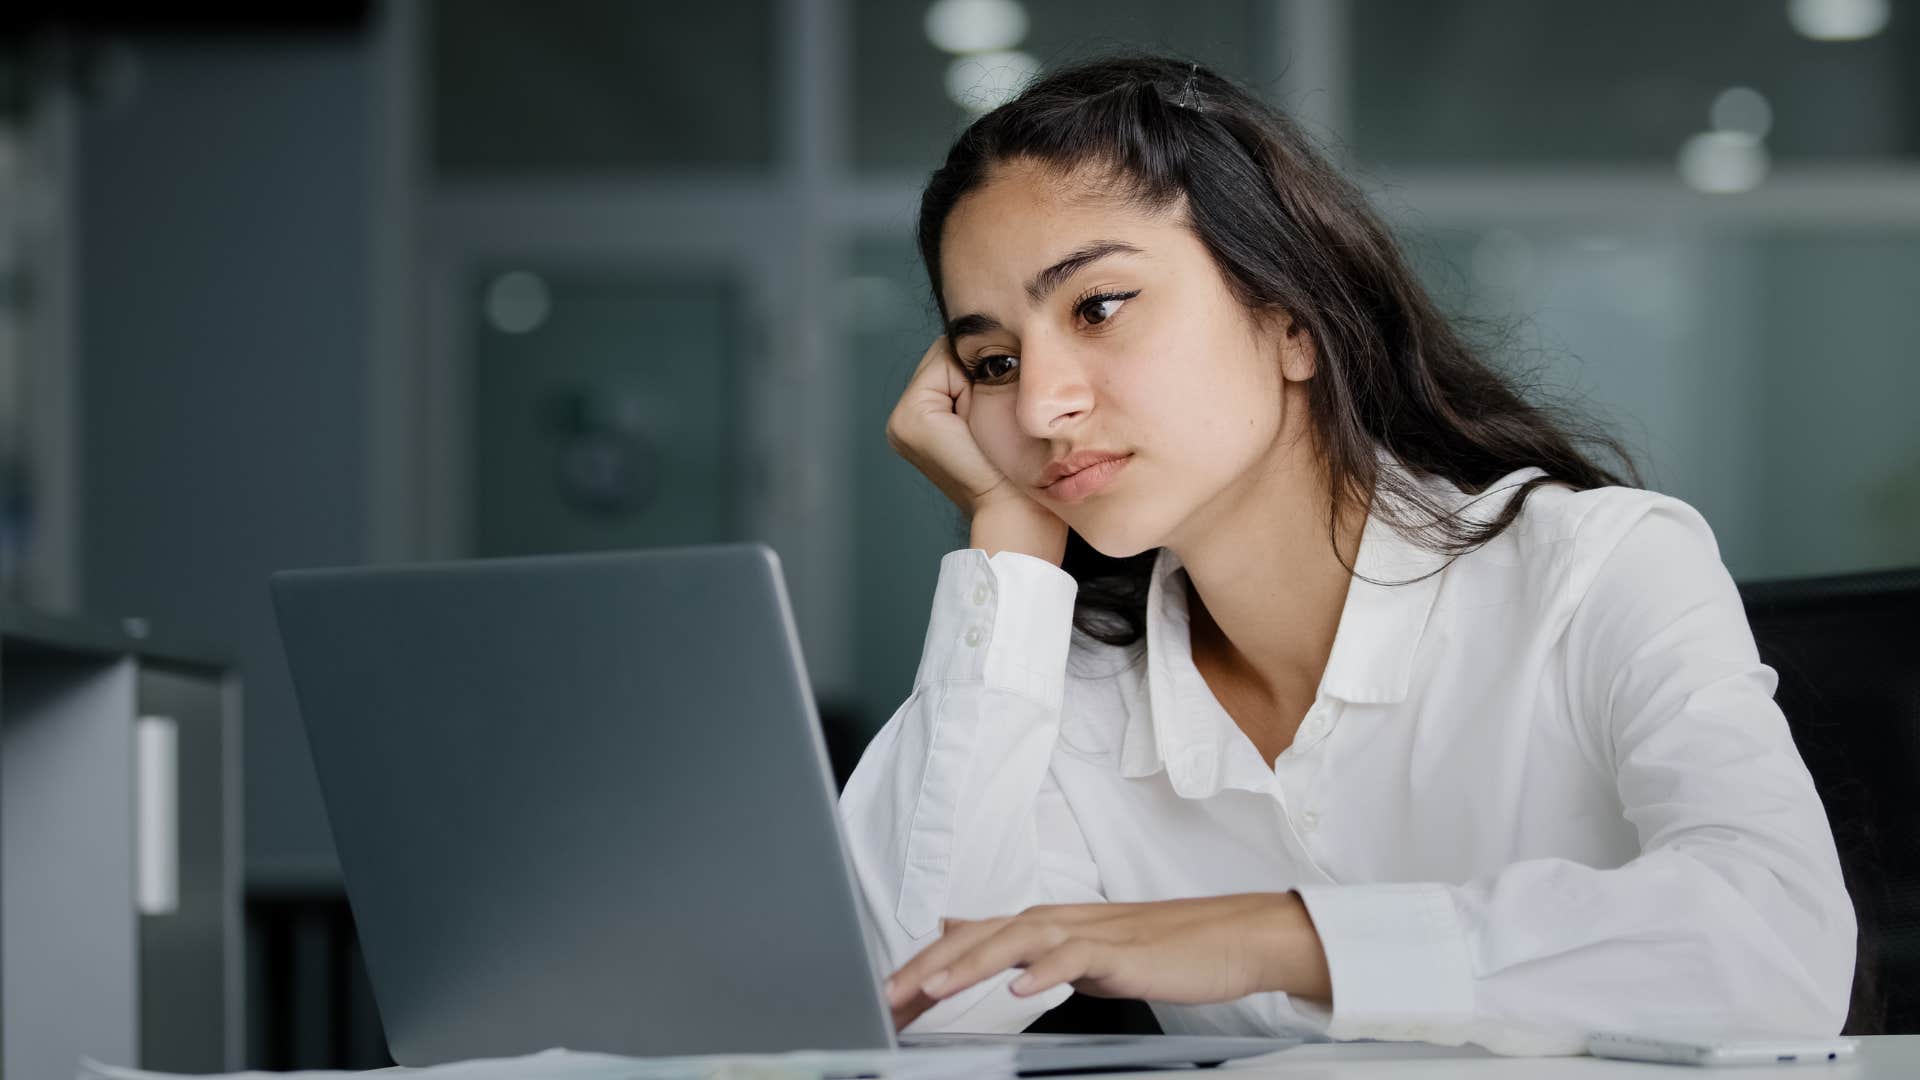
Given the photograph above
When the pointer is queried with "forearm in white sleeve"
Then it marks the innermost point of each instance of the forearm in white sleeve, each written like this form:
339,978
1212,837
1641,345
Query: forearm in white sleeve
1733,918
950,806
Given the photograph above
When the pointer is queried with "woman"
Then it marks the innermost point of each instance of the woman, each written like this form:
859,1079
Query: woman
1300,673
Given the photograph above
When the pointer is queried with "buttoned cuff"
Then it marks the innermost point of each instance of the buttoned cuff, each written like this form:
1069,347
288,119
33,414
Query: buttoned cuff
1398,958
1006,621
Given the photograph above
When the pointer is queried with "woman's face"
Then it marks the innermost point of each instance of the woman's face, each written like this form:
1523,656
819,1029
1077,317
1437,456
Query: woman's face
1139,350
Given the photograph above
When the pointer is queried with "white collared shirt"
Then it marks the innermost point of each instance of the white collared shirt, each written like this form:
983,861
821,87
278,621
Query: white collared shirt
1543,791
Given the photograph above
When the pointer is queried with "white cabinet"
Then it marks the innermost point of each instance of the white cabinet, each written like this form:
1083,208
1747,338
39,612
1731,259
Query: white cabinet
87,806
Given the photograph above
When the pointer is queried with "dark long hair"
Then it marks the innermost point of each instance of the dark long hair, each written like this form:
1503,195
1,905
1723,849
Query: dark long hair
1289,233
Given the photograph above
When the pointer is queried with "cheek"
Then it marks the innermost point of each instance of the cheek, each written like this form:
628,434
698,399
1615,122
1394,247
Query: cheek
1218,391
1224,416
994,431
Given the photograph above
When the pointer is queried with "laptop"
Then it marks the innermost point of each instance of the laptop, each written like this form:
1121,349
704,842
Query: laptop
584,801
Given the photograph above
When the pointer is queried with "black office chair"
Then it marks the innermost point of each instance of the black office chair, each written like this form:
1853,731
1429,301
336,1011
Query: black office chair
1848,653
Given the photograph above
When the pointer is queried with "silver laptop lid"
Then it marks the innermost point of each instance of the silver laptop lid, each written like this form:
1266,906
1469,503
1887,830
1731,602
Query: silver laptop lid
582,801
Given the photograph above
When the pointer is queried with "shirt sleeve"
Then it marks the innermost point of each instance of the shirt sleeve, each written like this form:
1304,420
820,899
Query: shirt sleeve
952,810
1733,918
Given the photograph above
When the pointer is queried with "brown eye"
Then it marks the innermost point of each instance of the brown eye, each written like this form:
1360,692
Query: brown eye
1098,309
993,369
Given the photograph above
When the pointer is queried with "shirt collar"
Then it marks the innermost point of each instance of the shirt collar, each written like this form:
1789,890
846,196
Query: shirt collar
1184,729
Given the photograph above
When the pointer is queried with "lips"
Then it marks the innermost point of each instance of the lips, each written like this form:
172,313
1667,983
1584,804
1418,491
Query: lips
1059,470
1086,480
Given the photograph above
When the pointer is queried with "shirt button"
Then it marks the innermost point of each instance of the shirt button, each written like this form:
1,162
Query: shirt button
973,636
1309,820
979,594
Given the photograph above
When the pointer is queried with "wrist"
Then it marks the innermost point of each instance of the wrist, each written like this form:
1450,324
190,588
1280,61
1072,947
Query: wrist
1028,529
1293,961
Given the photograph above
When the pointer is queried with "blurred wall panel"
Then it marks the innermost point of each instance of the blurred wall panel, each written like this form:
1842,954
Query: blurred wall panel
903,110
224,205
902,524
524,88
605,410
1841,453
1476,83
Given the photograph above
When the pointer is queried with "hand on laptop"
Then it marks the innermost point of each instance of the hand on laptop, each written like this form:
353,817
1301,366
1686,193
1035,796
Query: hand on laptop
1192,951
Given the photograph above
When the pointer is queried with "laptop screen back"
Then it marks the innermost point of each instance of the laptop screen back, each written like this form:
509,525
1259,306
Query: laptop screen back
582,801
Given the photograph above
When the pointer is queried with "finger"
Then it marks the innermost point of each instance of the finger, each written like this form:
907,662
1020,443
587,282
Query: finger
904,995
954,935
957,935
1076,959
908,1011
1012,945
931,388
927,378
934,389
953,981
937,369
957,381
912,1001
936,352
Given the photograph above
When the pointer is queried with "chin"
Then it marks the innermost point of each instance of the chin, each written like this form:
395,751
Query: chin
1118,540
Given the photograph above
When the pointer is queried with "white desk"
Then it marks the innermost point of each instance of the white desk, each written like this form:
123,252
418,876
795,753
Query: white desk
1883,1056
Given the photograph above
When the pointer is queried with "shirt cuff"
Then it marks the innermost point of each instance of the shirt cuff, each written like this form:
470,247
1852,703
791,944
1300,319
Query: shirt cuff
1006,621
1398,957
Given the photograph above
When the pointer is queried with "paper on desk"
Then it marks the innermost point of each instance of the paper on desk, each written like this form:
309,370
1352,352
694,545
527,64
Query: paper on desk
926,1063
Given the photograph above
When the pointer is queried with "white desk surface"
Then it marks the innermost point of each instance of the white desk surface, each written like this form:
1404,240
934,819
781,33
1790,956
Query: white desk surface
1881,1056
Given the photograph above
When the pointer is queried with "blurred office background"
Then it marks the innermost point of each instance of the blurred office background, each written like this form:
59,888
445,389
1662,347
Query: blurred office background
332,282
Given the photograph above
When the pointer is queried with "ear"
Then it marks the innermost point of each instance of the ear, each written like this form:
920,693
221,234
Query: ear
1299,359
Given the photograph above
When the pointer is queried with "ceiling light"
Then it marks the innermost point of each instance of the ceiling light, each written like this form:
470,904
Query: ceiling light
1742,109
989,80
1723,162
518,302
1838,20
975,26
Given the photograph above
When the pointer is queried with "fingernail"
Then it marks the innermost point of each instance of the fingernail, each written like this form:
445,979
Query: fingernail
932,986
893,992
1023,984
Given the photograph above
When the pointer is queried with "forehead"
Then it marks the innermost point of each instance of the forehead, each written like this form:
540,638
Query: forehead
1025,214
1025,184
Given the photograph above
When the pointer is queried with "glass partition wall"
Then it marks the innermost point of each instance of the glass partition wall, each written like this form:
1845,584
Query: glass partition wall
669,290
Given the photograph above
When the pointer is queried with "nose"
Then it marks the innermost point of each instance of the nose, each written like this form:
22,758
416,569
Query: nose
1053,392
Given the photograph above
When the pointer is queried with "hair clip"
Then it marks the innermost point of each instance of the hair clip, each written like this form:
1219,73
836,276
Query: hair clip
1188,98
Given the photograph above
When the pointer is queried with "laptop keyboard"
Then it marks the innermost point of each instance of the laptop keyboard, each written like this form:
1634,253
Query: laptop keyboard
982,1039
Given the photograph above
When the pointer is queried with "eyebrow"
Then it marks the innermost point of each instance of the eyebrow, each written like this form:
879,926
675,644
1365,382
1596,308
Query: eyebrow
1042,285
